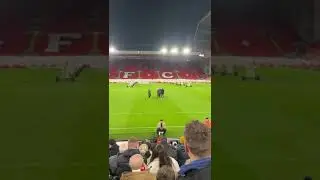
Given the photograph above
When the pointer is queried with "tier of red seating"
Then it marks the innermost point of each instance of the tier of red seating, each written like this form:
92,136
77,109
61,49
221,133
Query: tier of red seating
254,40
154,74
16,38
235,39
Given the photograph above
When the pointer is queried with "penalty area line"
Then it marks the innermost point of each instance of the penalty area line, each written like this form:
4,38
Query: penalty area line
117,114
132,128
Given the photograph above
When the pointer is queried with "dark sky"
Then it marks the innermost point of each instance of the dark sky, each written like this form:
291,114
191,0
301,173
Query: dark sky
148,24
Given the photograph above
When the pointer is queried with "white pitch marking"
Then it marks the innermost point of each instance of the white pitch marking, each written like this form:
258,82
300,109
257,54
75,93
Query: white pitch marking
144,128
117,114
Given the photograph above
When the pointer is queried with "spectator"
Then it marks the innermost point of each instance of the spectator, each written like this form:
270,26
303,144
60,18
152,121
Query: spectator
122,160
182,156
171,151
138,171
160,158
145,152
113,148
161,128
143,148
198,146
207,122
166,173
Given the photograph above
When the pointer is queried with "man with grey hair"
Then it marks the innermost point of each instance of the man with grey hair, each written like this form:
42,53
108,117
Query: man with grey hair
198,146
138,171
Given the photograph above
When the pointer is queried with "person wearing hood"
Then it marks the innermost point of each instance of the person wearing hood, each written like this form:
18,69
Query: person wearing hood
198,146
113,148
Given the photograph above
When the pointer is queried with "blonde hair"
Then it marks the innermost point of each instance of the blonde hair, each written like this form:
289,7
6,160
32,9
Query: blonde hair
181,140
143,148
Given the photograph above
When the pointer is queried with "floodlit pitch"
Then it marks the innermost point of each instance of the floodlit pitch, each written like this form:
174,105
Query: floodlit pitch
132,113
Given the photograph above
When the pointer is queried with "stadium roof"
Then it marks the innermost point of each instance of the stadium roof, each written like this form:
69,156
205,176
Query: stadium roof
206,20
202,36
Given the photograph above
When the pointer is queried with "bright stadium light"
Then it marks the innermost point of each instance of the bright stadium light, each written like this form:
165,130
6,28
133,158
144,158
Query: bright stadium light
201,55
186,51
164,50
174,50
112,49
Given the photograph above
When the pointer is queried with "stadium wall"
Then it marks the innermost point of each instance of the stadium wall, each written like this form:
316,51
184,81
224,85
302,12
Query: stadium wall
54,61
276,61
146,81
102,62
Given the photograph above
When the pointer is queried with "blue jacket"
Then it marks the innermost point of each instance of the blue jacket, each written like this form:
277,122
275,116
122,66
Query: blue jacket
198,169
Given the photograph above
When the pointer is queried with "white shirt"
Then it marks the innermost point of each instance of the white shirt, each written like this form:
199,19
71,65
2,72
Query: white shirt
154,166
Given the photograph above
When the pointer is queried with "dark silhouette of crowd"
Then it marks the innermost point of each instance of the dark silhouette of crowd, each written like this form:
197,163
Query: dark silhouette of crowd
189,158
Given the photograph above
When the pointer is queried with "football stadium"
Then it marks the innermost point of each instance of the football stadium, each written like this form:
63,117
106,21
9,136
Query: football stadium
158,84
264,91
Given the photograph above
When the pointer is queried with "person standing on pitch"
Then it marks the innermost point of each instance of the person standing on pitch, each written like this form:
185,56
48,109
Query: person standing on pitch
149,93
161,128
162,92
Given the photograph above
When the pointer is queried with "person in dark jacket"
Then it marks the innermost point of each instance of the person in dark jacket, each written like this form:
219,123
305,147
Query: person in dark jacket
198,146
122,160
113,148
182,155
172,152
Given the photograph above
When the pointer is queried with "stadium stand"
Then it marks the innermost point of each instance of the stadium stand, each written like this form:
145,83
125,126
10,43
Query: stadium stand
147,67
240,41
66,34
240,36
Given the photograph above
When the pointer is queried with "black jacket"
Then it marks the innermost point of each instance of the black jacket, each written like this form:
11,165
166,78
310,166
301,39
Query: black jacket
202,174
123,161
172,152
113,150
182,156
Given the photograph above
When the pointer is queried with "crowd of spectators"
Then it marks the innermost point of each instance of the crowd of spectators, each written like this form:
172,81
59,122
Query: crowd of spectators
160,159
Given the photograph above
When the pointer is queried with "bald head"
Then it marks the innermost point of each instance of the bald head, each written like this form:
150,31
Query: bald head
136,162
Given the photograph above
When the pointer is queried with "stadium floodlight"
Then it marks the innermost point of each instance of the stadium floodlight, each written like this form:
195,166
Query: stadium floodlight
112,49
186,51
174,50
201,55
164,50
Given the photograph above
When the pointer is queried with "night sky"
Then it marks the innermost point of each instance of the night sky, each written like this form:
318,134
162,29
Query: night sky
149,24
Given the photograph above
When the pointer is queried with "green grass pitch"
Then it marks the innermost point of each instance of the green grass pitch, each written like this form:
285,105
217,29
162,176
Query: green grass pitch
267,130
264,130
52,130
133,114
